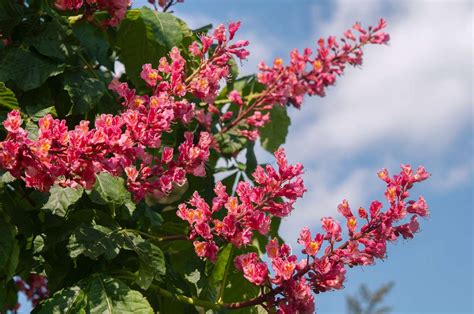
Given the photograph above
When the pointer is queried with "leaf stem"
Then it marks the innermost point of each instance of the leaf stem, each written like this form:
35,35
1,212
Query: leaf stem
157,238
224,279
187,300
87,64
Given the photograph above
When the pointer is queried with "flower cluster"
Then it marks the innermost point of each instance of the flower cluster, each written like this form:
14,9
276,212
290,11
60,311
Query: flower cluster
214,52
116,8
293,281
311,75
121,143
118,144
305,75
251,210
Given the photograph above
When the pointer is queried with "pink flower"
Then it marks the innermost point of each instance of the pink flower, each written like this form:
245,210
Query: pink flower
150,75
194,49
13,122
244,260
233,28
65,5
256,273
206,249
332,228
235,97
311,246
419,207
283,268
344,209
272,248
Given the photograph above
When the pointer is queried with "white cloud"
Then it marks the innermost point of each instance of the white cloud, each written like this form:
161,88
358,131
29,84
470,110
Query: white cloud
414,96
323,196
458,175
416,92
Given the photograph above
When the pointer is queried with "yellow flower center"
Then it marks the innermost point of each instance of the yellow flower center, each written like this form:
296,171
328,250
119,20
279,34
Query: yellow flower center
318,65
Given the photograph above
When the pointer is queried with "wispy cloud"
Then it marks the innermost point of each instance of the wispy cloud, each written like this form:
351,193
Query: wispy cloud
412,98
415,92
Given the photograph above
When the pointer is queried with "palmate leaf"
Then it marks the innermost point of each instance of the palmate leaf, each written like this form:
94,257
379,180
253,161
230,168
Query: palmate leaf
96,294
109,295
165,27
69,300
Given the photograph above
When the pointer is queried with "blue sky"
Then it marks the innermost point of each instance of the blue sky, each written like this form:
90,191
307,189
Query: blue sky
411,102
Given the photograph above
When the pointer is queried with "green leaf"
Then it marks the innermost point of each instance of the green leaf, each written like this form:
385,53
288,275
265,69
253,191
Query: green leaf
96,294
203,29
93,241
165,27
35,113
7,177
68,300
8,295
109,295
60,198
151,259
27,69
143,37
219,270
32,129
231,143
94,41
7,98
85,91
50,42
10,15
9,249
110,189
251,159
273,134
152,264
229,182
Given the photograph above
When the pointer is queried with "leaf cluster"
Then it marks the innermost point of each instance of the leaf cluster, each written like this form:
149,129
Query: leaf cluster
101,250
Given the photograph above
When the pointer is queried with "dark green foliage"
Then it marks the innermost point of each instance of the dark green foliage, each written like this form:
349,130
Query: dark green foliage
101,250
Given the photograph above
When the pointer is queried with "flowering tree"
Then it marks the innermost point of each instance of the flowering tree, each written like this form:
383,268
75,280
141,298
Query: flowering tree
109,201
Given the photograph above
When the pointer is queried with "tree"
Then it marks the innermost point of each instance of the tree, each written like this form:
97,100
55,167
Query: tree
109,201
367,302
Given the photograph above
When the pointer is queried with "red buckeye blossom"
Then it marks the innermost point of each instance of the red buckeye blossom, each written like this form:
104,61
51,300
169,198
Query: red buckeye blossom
307,74
311,75
251,210
292,282
131,144
117,144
